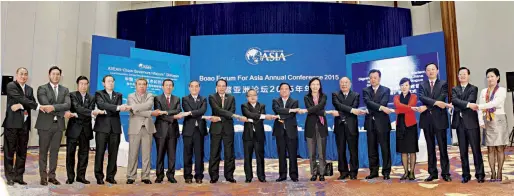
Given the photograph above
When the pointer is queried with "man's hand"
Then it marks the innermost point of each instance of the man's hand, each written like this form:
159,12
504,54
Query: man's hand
215,119
243,119
363,112
156,112
16,107
356,111
482,126
302,111
473,106
440,104
163,113
68,115
386,110
178,116
48,108
296,110
449,105
422,109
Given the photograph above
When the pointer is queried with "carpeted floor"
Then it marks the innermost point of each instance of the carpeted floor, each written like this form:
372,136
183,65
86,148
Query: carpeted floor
304,187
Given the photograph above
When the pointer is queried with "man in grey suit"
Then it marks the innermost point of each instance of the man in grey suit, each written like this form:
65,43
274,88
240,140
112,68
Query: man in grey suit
50,123
141,129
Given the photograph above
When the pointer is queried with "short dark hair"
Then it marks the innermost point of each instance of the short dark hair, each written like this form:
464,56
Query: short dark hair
462,68
82,78
495,71
142,79
403,80
320,88
54,67
375,71
20,68
226,83
108,75
436,67
194,81
251,90
164,81
284,83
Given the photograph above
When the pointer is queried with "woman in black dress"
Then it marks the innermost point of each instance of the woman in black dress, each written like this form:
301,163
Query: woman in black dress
406,128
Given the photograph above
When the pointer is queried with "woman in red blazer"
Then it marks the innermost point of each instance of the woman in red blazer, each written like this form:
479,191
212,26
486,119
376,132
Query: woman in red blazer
406,128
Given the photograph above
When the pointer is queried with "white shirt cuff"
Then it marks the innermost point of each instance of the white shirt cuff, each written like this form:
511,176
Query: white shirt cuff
118,108
22,107
262,117
76,115
467,105
250,120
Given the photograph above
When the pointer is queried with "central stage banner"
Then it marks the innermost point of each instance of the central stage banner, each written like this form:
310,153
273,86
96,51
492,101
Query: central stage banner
263,61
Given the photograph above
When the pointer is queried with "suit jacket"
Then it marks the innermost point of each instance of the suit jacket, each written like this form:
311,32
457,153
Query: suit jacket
289,119
46,96
226,123
433,113
141,113
344,107
373,102
410,115
460,101
313,114
197,109
166,124
83,108
253,113
110,121
15,95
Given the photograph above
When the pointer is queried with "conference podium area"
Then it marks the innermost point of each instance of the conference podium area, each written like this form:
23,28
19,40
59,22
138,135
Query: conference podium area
270,148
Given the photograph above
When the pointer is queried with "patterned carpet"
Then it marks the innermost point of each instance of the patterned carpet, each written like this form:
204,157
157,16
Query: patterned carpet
304,187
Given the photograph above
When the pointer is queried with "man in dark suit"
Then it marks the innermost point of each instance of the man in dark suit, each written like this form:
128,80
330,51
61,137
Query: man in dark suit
285,130
253,135
167,129
20,102
434,121
377,125
465,120
223,107
108,129
79,130
194,131
346,103
50,123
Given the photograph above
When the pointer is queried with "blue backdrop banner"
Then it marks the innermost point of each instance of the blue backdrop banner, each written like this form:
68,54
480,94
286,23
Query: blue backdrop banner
263,61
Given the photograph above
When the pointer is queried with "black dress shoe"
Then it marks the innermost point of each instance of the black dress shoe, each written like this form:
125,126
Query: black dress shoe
21,182
465,180
54,181
262,180
405,176
371,176
321,178
248,181
69,181
158,181
172,180
280,179
112,181
342,177
447,178
295,180
10,182
100,182
130,181
198,181
411,176
431,178
386,177
214,181
84,181
314,177
353,177
231,180
480,179
44,182
146,181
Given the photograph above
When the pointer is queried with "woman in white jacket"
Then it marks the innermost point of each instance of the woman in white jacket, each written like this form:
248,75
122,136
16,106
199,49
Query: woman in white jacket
491,116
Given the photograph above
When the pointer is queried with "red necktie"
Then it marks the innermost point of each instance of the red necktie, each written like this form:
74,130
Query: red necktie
431,86
168,101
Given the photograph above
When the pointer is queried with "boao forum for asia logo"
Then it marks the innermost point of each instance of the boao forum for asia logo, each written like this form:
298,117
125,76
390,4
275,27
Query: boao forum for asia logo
143,66
255,55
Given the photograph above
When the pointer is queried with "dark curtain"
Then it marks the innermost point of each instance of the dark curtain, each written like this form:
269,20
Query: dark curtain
169,29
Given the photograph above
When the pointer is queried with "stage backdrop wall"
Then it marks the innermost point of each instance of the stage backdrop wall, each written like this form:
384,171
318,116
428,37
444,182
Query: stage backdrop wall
169,29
